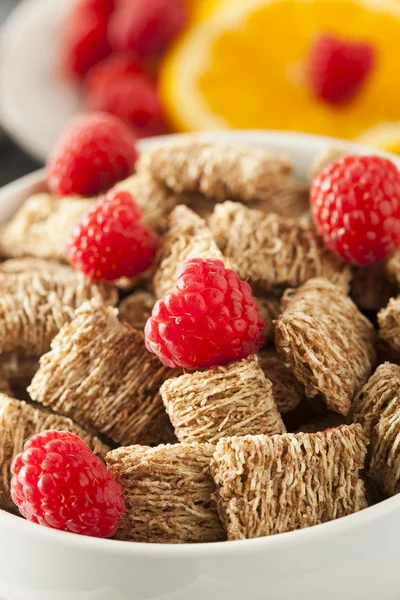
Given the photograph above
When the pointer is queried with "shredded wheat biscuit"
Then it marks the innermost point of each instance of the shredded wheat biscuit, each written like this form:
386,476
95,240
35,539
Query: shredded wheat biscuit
381,389
286,390
328,343
42,227
389,324
218,171
136,308
270,309
273,252
384,466
188,237
168,493
392,266
232,400
292,200
371,287
153,198
325,158
35,305
16,266
272,484
18,422
4,384
99,373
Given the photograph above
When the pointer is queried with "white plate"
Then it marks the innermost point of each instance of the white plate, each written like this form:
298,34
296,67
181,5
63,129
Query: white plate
35,101
353,558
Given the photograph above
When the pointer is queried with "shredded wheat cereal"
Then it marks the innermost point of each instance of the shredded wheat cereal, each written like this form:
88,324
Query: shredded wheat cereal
136,308
327,342
99,373
389,324
42,227
272,484
218,171
35,305
168,493
188,237
384,466
371,287
222,401
286,390
273,252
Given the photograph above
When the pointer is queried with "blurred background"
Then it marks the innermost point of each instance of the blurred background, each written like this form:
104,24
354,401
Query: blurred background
319,66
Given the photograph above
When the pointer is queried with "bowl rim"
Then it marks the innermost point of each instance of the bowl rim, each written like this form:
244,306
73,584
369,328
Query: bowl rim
323,531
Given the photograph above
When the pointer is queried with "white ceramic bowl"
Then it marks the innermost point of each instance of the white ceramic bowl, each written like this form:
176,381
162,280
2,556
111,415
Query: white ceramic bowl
352,558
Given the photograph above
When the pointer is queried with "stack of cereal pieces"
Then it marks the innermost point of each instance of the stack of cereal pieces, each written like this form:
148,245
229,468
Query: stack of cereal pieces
268,444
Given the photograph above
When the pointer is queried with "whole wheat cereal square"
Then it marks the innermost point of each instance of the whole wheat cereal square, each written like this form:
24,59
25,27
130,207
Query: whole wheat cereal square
154,199
292,200
270,309
16,266
18,422
392,266
389,325
136,308
371,287
286,390
219,171
168,493
99,373
327,343
272,484
325,158
384,466
42,227
35,305
188,237
381,389
274,252
222,401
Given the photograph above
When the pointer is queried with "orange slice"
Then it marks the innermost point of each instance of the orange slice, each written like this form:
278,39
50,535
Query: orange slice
241,65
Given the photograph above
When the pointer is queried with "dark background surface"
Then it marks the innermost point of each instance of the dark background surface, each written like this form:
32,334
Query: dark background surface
13,161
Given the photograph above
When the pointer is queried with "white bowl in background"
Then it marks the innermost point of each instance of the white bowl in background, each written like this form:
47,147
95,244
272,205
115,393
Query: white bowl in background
355,557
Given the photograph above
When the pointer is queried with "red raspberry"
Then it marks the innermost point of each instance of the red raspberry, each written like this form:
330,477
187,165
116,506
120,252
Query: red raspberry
146,27
92,154
338,68
110,241
84,36
118,86
211,319
57,481
355,203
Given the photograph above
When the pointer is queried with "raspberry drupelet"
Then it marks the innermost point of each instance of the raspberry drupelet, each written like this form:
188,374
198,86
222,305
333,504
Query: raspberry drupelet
110,241
355,203
57,481
211,319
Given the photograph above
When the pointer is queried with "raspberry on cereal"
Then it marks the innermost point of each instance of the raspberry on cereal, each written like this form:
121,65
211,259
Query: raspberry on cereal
93,152
57,481
355,203
110,241
211,319
19,421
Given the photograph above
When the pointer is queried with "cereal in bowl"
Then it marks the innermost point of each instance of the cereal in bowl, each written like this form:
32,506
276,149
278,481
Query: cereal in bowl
226,358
